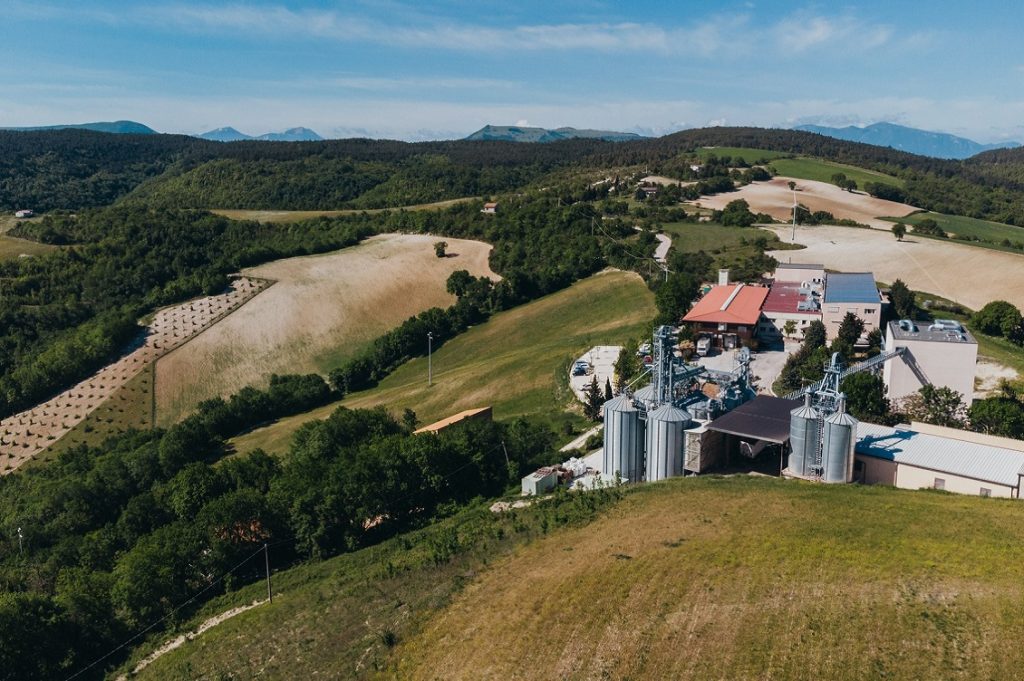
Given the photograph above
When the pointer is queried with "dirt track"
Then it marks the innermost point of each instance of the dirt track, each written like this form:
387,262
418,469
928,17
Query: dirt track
321,310
775,198
969,275
24,435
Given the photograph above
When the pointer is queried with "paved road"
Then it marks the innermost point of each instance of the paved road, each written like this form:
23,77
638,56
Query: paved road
661,252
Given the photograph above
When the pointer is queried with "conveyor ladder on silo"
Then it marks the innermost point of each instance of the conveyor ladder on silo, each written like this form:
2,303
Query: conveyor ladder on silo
864,366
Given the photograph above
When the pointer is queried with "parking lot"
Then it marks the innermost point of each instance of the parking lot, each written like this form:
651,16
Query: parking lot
601,360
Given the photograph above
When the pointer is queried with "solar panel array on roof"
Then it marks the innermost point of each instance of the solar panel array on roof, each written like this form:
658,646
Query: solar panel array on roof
852,287
957,457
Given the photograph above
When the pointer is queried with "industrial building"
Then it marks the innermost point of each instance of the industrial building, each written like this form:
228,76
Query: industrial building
798,273
796,302
540,481
854,292
941,352
916,457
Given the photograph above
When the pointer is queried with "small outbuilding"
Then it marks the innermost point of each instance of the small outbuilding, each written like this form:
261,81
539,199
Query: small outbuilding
24,214
490,208
540,481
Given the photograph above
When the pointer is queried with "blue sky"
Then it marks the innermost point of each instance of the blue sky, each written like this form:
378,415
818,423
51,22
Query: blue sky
423,70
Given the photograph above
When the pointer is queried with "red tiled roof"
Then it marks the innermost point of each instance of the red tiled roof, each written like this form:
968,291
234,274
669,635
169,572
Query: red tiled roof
743,308
784,297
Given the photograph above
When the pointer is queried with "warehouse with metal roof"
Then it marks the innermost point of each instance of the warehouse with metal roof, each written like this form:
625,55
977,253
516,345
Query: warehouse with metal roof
854,292
954,461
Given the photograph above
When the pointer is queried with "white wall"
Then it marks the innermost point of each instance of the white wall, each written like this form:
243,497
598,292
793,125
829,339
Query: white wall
951,365
883,472
832,316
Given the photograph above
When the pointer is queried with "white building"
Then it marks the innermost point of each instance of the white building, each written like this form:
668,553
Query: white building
851,292
920,456
22,214
800,273
944,353
540,481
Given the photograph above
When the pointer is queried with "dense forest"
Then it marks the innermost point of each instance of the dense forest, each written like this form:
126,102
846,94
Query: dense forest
75,169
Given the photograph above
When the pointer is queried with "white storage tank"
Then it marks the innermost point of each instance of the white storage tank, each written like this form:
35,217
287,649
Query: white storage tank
666,427
840,437
803,437
623,439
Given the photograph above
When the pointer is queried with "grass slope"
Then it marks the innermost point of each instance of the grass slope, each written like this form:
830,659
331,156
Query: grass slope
13,247
748,578
746,153
822,171
517,361
703,578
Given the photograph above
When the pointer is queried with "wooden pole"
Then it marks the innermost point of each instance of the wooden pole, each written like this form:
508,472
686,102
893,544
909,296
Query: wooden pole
266,556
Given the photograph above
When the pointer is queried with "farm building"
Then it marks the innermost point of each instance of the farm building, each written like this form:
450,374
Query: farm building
917,457
853,292
789,301
490,208
943,353
728,314
23,214
480,414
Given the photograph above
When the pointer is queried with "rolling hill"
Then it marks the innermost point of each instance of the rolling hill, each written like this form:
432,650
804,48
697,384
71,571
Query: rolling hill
229,134
113,127
914,140
705,578
510,133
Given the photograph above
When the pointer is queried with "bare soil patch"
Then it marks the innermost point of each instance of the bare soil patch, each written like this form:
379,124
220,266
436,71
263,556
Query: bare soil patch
775,198
322,310
966,274
24,435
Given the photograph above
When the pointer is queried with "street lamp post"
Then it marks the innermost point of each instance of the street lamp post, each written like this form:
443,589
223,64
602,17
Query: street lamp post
430,358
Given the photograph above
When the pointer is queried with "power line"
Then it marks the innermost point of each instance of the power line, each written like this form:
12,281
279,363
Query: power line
165,617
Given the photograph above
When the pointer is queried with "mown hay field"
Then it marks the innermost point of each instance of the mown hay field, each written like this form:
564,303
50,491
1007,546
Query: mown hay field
322,310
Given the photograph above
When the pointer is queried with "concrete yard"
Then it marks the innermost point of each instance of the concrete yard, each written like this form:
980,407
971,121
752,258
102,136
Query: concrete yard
766,365
602,360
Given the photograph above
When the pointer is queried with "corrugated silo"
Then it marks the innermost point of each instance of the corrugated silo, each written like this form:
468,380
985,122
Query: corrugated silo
803,437
645,396
623,439
665,432
840,438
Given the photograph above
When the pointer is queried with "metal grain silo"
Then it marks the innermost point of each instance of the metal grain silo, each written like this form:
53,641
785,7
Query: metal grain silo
623,439
665,439
839,439
645,396
803,437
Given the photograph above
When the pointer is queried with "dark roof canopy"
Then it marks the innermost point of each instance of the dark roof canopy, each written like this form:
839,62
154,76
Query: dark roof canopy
762,418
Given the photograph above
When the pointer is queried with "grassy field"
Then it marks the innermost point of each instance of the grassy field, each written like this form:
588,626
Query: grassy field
728,245
12,247
322,310
517,361
992,233
747,154
816,169
288,216
700,578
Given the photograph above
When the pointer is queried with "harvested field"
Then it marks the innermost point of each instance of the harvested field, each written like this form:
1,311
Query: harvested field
964,274
24,435
775,199
285,216
323,310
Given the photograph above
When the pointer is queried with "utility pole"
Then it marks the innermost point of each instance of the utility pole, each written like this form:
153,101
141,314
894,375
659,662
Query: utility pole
21,546
266,556
794,217
506,453
430,358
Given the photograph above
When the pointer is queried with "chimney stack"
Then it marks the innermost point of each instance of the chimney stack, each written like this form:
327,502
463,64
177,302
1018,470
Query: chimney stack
723,277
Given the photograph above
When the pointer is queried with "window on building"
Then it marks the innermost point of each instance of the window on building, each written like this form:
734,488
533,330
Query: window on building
985,492
869,310
833,309
940,483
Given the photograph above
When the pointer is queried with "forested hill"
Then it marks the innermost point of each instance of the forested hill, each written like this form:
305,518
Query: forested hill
74,169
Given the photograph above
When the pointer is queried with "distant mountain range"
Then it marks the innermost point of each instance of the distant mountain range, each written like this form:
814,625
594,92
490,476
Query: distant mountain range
913,140
121,127
511,133
229,134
